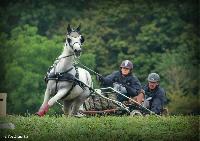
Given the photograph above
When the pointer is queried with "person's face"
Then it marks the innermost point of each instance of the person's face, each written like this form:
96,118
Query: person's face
152,85
125,71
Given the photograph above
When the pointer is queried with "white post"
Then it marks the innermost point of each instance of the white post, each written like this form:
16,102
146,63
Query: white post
3,104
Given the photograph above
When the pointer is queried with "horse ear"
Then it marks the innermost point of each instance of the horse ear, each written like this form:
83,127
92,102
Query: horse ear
78,28
69,29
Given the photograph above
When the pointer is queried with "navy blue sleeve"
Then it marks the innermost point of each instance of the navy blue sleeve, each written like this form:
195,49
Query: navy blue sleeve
145,87
158,102
109,80
134,87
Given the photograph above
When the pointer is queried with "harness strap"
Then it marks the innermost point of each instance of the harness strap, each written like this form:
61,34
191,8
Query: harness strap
74,83
64,57
56,89
56,62
77,74
65,71
56,76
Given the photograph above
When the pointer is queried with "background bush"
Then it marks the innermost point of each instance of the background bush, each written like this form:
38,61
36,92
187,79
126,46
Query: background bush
157,36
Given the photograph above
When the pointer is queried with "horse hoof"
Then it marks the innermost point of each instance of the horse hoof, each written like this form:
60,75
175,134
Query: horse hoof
43,111
46,108
40,113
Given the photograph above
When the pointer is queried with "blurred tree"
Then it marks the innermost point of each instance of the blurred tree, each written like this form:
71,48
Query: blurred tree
31,55
180,74
157,36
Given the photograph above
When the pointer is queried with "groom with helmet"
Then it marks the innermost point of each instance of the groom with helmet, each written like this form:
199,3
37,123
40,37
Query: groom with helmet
155,96
124,82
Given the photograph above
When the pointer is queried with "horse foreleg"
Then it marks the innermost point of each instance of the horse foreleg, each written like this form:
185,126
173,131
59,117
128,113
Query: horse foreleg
57,97
46,98
44,107
48,103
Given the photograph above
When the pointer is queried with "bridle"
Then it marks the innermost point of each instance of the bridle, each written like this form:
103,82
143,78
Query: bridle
68,39
72,46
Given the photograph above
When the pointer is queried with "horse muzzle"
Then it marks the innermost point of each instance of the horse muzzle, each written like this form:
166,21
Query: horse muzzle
77,53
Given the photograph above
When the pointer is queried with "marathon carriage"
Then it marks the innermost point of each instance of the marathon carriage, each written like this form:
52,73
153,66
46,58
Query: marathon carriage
103,101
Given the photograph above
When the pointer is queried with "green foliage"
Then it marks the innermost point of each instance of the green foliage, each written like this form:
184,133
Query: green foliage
149,128
181,76
88,59
32,54
181,104
157,36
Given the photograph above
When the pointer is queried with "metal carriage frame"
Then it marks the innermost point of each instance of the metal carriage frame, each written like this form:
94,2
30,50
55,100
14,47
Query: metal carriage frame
132,108
122,108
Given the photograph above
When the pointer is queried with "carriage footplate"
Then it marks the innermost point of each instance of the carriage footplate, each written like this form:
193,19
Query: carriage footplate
95,112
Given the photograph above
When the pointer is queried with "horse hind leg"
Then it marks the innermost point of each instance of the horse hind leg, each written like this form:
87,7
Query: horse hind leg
76,106
67,109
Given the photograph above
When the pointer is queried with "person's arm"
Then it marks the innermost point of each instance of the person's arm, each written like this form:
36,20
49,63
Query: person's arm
109,80
158,102
134,88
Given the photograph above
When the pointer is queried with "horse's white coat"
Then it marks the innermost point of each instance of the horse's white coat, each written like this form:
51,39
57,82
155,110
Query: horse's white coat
78,95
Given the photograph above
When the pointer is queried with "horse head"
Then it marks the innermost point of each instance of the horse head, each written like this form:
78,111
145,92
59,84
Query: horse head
74,40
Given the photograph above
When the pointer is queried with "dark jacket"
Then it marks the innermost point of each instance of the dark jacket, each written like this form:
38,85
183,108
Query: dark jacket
130,82
158,98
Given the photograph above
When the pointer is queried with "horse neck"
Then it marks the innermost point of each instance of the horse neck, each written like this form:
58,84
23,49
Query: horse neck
65,63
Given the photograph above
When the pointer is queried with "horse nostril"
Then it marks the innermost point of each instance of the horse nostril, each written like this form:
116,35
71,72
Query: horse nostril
77,52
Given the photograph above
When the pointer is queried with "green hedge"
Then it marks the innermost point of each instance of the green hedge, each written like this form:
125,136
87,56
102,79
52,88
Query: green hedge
149,128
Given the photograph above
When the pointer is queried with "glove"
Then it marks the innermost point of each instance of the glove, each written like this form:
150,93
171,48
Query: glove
123,89
149,98
142,91
116,86
100,78
119,87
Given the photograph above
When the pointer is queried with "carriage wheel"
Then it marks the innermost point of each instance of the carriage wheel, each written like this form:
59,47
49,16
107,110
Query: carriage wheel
135,113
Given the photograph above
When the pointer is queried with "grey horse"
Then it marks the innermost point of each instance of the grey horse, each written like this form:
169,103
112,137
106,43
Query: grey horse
61,76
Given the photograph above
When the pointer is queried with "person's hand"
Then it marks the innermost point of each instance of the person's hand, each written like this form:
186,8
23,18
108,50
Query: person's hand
148,99
119,87
140,98
116,86
142,91
123,89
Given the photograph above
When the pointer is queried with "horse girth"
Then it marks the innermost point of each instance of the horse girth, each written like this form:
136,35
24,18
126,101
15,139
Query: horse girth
65,76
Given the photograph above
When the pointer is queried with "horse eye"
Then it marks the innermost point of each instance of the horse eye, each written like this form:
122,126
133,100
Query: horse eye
82,39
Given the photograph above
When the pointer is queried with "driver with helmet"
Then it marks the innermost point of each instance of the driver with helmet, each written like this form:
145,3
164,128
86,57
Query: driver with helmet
124,82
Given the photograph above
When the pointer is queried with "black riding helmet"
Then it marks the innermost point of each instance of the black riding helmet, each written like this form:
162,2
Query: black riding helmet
127,64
